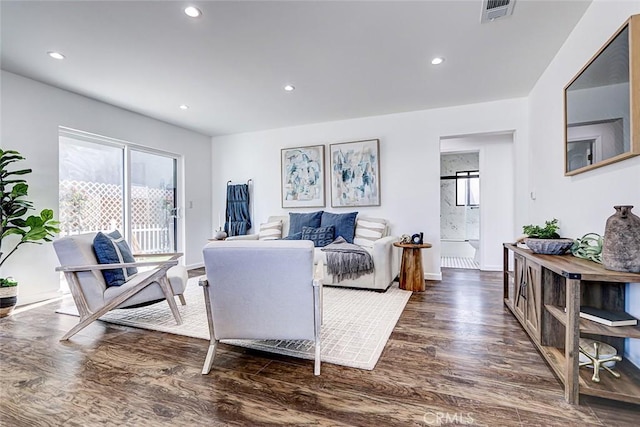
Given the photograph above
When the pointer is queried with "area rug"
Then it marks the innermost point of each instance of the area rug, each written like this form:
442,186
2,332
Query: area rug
356,325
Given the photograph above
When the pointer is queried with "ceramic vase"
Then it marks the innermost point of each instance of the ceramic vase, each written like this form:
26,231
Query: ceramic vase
621,248
220,235
8,299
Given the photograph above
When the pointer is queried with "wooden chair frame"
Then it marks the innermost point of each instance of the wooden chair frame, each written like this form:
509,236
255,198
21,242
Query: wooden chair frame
318,277
159,275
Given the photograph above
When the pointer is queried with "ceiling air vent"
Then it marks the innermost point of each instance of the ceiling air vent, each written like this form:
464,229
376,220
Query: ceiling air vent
494,9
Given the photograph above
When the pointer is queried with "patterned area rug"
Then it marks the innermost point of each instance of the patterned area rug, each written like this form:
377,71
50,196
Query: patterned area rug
357,324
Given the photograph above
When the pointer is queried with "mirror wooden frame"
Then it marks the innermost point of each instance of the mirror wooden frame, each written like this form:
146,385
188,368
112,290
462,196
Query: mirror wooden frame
633,25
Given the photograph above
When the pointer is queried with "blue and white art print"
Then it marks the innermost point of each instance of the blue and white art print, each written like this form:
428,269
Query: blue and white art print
303,177
355,174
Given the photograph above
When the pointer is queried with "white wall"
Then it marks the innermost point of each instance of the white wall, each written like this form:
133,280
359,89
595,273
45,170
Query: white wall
409,163
582,202
30,116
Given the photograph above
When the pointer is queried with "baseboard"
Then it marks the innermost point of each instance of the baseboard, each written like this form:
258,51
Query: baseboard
31,299
433,276
196,265
31,306
491,268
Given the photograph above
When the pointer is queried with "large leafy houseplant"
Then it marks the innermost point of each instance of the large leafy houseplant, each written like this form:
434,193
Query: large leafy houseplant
32,229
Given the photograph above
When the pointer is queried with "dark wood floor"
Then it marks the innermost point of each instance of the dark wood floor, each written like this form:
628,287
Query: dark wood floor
456,357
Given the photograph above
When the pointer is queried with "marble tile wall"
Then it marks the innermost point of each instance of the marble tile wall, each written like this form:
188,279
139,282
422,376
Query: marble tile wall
457,222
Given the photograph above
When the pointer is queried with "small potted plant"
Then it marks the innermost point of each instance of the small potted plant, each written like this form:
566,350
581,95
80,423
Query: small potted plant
546,240
15,227
8,295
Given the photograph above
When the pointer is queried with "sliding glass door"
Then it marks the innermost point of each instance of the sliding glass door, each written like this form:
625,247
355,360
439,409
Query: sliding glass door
153,203
108,185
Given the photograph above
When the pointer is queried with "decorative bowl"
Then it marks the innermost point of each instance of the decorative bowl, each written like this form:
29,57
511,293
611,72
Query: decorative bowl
548,246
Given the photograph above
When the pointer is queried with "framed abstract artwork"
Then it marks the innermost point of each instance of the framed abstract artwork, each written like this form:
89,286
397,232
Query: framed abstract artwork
355,173
303,177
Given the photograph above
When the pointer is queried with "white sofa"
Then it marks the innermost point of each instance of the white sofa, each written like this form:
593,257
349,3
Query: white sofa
386,259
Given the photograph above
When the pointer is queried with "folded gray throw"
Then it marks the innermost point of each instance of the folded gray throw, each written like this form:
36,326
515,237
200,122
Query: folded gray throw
346,260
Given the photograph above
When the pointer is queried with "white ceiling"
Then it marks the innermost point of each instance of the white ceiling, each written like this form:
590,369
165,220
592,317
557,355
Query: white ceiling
346,59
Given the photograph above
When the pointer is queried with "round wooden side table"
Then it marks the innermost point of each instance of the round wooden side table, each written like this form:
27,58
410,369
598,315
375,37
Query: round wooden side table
411,271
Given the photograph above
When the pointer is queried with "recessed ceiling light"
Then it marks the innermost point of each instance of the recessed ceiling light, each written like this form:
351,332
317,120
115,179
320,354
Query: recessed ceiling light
437,60
184,107
55,55
193,12
289,88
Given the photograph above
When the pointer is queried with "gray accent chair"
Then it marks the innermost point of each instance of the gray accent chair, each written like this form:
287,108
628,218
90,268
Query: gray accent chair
90,292
261,290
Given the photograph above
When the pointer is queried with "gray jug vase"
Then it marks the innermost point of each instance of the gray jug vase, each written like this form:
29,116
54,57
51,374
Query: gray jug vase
621,249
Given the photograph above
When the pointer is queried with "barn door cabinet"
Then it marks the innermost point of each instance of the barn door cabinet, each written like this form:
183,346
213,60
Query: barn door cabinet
524,301
545,292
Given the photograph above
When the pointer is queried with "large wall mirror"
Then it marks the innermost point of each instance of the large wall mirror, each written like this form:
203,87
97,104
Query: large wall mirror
602,104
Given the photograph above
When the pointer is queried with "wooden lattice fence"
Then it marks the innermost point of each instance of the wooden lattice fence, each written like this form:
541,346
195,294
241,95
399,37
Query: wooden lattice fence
92,206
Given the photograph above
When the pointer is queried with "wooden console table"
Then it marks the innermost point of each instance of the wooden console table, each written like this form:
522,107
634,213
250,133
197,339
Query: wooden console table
538,291
411,270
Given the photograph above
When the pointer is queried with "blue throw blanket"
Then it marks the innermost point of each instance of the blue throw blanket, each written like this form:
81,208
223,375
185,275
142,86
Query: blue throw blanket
238,220
346,260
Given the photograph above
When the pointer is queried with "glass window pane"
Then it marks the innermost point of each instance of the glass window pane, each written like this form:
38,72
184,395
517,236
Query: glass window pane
474,191
467,188
153,203
91,187
461,192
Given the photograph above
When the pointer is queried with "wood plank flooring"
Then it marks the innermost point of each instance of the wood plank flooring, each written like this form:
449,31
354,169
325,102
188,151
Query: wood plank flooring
456,357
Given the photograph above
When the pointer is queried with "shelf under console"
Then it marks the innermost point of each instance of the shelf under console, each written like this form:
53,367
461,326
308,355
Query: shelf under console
553,282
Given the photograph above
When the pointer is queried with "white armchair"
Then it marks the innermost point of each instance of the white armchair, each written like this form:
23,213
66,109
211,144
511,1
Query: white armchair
261,290
90,293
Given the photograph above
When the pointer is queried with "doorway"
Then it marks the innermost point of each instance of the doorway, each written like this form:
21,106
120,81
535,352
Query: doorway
484,226
460,210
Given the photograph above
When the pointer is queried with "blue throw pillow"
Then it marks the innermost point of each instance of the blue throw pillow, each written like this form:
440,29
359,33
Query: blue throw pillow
113,249
297,236
299,220
345,224
320,236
